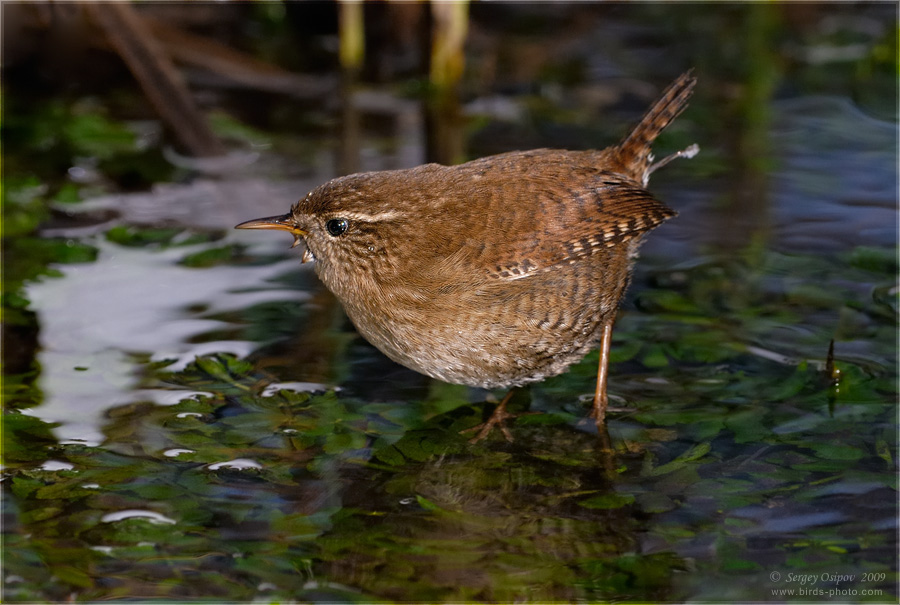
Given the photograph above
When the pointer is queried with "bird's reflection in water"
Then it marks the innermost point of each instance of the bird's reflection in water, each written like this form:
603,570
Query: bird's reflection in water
453,528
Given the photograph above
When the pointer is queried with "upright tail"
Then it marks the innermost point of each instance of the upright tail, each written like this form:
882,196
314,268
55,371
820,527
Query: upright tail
635,149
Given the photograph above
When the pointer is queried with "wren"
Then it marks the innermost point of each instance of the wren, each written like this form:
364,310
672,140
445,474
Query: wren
494,273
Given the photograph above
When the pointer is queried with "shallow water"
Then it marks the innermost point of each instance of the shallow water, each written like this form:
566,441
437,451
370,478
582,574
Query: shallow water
201,421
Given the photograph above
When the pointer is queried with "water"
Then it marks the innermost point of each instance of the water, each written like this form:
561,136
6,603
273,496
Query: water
202,422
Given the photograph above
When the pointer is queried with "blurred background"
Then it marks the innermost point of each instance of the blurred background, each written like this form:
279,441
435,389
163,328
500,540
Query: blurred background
188,414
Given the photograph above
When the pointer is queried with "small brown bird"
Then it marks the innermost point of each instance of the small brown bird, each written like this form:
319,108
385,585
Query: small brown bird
497,272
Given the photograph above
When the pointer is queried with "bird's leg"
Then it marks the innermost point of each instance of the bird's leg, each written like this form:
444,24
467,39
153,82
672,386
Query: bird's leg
497,418
598,413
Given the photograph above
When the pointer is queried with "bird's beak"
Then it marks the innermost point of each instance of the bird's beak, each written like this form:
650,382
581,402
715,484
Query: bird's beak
284,222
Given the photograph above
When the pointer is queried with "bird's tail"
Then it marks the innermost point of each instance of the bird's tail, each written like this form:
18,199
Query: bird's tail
634,151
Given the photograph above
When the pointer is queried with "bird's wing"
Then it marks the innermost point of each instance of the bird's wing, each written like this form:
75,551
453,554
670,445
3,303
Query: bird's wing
554,224
609,213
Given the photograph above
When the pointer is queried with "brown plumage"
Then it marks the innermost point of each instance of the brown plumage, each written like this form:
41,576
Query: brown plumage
493,273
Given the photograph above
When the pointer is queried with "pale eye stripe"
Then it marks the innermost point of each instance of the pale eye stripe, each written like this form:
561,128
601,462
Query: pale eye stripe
370,217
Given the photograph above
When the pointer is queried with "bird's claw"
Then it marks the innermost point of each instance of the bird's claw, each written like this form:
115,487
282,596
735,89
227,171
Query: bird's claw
497,419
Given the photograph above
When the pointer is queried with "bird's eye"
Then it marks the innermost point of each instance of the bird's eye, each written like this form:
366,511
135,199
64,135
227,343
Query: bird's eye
337,226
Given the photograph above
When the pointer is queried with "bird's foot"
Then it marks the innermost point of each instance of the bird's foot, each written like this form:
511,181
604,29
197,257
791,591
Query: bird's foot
598,411
497,419
598,415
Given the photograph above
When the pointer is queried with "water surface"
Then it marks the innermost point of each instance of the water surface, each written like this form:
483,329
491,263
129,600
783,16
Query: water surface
189,415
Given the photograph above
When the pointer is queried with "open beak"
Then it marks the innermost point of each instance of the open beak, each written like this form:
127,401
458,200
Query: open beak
282,223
